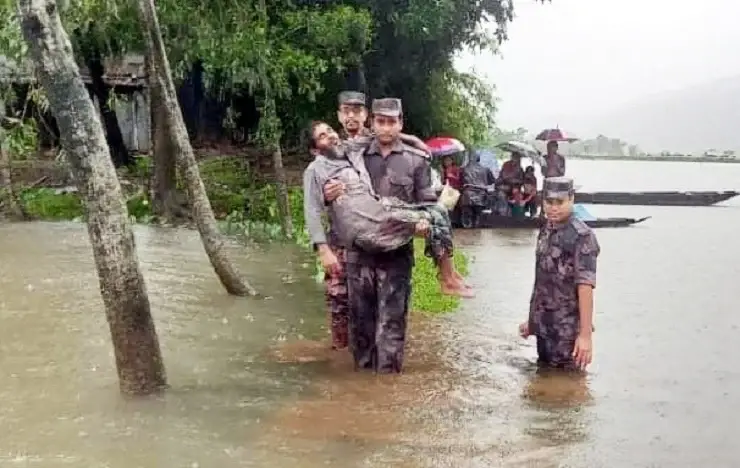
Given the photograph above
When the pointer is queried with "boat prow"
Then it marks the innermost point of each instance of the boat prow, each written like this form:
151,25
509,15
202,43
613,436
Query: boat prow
687,198
491,221
615,222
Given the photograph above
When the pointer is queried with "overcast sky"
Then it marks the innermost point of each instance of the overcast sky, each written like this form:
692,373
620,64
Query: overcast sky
571,59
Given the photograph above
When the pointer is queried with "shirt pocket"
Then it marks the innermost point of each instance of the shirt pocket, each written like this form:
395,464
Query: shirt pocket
401,187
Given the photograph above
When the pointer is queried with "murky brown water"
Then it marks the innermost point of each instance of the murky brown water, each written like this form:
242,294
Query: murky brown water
254,386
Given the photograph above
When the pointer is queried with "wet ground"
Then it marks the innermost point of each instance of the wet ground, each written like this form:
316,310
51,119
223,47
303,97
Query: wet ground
253,384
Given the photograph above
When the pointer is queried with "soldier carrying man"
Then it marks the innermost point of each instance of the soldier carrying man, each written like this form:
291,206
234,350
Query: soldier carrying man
380,283
352,115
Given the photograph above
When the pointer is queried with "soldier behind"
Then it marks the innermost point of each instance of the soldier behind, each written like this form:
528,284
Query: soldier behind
352,115
380,284
561,307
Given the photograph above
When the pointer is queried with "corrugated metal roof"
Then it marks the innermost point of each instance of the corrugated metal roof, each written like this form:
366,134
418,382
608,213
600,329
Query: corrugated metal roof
127,71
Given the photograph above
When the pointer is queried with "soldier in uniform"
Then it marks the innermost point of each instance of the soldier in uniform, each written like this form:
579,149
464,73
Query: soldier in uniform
352,115
561,307
379,284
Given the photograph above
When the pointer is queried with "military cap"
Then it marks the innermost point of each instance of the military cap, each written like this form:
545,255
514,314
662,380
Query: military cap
389,107
353,98
558,187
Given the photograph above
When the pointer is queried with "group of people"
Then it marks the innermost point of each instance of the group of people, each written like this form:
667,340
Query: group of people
376,188
512,193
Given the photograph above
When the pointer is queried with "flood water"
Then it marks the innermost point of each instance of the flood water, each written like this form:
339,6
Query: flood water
253,384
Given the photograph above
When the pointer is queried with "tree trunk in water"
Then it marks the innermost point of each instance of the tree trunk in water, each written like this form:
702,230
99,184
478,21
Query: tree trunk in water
7,196
138,356
271,128
119,153
281,185
164,177
202,212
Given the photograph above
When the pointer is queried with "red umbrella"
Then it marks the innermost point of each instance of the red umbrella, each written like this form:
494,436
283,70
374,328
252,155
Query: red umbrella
554,134
444,146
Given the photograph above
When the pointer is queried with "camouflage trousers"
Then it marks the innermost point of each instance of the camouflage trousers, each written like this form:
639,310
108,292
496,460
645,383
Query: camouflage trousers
379,305
556,352
337,301
398,228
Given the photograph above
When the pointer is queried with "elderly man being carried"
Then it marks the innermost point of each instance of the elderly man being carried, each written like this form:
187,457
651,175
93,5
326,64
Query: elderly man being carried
365,221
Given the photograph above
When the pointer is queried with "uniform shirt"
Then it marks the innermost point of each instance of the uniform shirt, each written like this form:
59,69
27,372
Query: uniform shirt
566,257
405,174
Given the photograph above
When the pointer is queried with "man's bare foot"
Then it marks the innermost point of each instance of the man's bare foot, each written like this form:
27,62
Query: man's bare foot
459,278
455,290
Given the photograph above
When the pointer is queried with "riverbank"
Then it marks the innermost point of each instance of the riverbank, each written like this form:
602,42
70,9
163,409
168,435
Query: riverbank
655,158
244,204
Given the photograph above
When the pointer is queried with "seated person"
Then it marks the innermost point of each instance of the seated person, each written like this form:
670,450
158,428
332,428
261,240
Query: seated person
451,173
516,202
501,201
363,220
511,174
529,191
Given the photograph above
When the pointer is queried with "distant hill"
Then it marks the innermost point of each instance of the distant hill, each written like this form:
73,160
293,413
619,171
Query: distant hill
690,120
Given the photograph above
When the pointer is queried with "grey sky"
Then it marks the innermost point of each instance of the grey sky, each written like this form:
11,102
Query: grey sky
572,59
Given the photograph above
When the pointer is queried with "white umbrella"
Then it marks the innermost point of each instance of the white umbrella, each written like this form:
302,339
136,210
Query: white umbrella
514,146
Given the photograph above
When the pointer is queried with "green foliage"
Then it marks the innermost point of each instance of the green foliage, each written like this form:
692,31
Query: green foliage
414,44
464,106
425,295
47,204
139,207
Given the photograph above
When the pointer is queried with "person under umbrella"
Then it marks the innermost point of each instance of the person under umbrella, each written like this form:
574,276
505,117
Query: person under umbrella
554,162
512,174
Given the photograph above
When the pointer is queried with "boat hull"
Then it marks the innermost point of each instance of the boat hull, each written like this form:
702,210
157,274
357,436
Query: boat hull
490,221
654,198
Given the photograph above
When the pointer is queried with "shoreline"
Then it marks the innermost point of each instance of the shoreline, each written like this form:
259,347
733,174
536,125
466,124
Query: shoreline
687,159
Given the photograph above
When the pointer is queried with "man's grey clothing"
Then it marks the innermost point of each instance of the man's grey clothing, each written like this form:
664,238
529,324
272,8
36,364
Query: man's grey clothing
360,218
349,171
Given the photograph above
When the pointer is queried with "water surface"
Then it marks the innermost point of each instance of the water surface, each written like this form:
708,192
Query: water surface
253,384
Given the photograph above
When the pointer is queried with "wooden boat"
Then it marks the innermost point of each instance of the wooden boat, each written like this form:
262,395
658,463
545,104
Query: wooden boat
491,221
655,198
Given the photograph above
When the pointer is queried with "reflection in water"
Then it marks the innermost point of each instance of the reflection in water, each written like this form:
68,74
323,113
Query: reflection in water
561,398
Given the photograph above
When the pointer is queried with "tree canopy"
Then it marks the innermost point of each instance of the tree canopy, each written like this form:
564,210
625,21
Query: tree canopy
302,53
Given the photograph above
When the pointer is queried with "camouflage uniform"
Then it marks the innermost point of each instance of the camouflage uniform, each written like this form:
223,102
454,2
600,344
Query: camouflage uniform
566,257
399,226
380,283
337,300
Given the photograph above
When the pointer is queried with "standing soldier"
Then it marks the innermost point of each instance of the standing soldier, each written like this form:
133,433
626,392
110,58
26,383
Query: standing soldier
352,114
380,284
562,303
